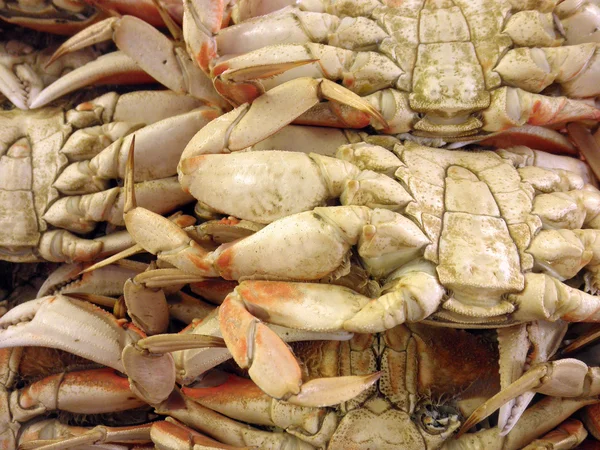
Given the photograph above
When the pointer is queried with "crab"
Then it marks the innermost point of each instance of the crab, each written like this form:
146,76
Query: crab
433,377
438,80
479,77
507,198
415,377
57,168
400,411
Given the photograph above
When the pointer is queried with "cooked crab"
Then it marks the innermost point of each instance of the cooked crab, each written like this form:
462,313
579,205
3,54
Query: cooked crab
42,195
456,70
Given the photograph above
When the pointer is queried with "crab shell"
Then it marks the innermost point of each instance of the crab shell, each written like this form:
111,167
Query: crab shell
57,166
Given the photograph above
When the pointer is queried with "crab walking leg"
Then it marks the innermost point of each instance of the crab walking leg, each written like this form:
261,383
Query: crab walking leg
80,214
105,391
173,435
578,249
520,347
245,77
107,281
567,435
575,68
570,209
579,21
223,428
158,147
546,298
53,435
565,378
541,418
241,399
513,107
251,123
63,246
159,57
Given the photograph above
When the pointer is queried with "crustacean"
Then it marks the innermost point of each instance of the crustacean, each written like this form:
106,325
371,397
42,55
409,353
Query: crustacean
455,70
400,249
432,378
57,167
416,383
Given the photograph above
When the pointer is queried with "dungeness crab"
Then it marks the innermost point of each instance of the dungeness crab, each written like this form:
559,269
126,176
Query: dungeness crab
449,69
42,195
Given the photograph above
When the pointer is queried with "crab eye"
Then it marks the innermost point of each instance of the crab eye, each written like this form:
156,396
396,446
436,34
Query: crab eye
436,419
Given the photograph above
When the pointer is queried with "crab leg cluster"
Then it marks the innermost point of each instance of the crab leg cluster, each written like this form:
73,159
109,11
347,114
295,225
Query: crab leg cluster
339,268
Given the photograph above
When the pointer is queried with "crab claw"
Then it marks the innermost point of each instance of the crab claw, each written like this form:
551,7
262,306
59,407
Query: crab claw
115,67
93,334
563,378
144,49
41,322
151,371
270,363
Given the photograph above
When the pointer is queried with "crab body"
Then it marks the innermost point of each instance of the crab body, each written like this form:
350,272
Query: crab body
57,164
448,69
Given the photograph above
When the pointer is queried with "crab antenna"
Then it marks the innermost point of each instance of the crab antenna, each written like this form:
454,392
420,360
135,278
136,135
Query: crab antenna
172,26
129,187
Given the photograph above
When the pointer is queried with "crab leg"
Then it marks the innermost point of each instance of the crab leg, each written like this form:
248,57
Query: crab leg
240,399
172,68
240,128
574,67
520,347
158,146
224,429
53,435
242,78
513,107
105,390
562,378
579,20
106,281
567,435
546,298
173,435
542,417
80,214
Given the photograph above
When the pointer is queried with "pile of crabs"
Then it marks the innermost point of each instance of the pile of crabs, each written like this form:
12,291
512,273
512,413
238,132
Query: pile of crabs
346,224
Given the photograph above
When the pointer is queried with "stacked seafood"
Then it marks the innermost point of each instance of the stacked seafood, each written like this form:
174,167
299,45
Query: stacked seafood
393,243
